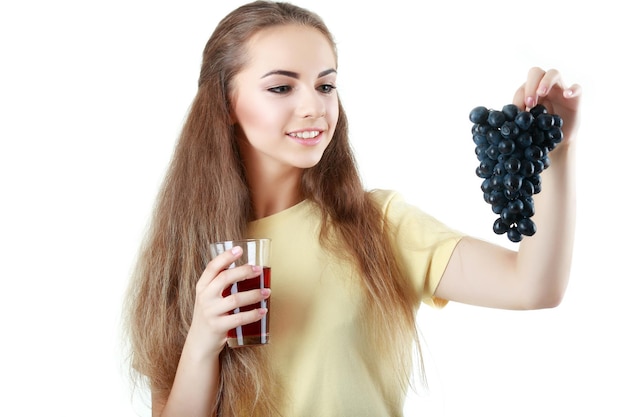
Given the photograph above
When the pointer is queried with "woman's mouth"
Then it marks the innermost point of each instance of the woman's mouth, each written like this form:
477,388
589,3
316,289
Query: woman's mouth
307,137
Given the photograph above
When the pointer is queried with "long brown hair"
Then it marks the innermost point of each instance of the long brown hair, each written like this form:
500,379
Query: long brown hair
205,197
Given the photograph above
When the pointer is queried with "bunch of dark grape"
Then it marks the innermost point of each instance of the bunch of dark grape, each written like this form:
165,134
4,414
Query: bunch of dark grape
512,148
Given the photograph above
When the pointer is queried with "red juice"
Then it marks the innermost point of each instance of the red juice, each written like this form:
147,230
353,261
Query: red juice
259,331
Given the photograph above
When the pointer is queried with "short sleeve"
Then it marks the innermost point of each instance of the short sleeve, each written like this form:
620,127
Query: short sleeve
422,244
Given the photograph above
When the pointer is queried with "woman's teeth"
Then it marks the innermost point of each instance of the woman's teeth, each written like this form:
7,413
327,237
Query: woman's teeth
305,135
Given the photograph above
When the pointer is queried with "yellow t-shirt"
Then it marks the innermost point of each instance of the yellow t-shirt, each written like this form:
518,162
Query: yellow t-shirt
316,341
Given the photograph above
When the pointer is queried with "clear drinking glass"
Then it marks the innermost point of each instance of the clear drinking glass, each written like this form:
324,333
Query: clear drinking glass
255,252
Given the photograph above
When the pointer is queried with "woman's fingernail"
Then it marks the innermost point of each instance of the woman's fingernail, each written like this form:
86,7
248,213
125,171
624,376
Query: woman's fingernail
530,101
236,250
265,292
256,268
542,90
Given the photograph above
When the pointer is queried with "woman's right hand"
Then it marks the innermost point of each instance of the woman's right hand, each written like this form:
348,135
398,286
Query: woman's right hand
212,316
196,386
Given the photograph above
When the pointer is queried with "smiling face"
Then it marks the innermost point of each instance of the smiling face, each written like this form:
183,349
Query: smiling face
284,100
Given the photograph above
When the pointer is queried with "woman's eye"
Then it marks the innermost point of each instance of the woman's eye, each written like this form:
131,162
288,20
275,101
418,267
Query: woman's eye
326,88
281,89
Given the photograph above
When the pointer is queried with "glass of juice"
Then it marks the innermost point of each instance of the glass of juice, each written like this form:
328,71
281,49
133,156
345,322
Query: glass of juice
255,252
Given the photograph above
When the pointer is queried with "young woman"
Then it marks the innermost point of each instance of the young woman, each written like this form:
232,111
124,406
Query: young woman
265,153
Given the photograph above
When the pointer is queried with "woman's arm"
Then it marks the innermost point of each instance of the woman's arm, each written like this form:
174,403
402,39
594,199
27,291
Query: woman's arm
536,276
196,385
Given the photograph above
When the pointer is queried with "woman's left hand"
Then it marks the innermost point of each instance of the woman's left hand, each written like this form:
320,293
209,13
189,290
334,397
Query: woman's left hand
547,88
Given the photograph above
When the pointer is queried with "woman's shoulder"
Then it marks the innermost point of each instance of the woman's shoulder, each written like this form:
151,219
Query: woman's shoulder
397,209
391,202
384,197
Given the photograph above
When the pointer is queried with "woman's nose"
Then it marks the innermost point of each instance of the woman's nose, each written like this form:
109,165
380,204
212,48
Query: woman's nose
311,104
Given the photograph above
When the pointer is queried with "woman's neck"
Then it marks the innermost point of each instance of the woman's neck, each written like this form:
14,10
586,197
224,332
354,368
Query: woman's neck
274,192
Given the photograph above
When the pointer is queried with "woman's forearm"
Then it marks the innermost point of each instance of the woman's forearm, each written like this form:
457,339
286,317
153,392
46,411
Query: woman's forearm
546,257
196,385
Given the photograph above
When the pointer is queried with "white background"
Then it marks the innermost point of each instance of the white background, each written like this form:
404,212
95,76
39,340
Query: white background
93,95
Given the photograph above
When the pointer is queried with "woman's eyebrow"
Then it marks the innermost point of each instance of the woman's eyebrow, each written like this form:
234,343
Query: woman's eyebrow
296,75
328,71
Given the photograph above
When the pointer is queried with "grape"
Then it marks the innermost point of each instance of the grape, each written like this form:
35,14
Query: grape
496,118
479,115
499,227
508,216
494,137
558,122
499,169
496,182
512,165
506,147
538,109
513,234
524,120
510,111
512,182
527,189
512,148
492,152
481,152
527,168
524,140
555,134
515,206
545,121
486,185
479,139
546,162
527,227
509,129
